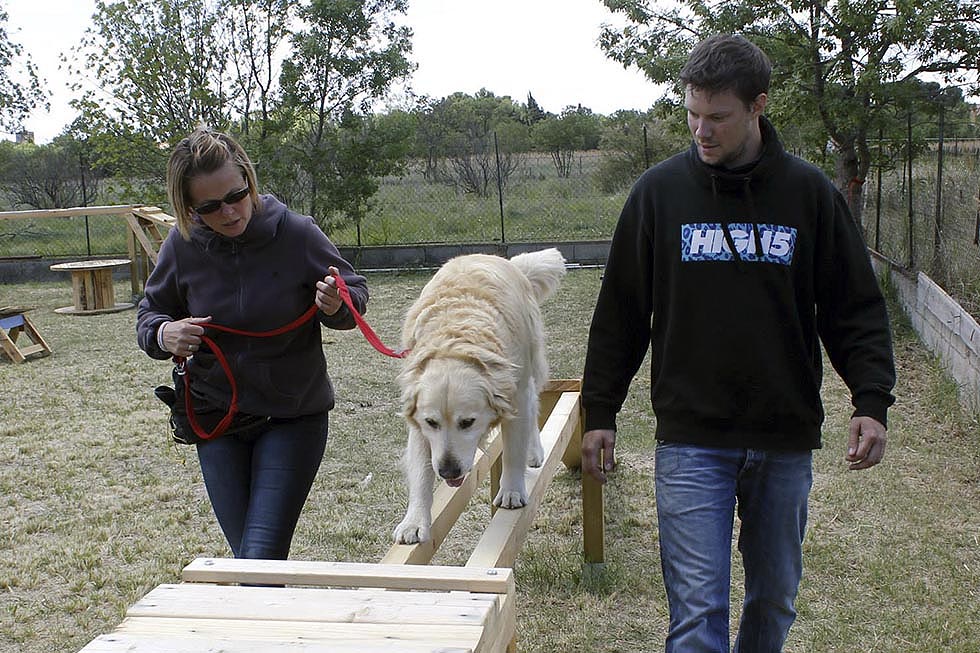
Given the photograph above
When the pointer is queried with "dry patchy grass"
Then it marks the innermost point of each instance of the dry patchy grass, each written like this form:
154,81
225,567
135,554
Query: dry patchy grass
98,507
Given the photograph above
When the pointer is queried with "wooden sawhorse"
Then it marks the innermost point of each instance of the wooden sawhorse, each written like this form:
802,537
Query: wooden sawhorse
401,605
13,321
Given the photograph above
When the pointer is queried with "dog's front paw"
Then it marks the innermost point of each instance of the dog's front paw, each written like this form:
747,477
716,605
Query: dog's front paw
409,531
510,499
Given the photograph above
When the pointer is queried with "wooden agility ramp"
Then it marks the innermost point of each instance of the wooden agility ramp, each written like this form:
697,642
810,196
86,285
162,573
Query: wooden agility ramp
401,604
148,226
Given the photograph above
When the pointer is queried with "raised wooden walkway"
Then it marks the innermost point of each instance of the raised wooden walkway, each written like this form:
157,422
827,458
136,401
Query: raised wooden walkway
401,604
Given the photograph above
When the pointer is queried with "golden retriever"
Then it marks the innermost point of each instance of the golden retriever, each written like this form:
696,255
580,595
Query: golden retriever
476,359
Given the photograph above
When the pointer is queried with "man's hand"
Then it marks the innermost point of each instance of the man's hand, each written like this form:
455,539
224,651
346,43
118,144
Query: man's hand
598,453
865,443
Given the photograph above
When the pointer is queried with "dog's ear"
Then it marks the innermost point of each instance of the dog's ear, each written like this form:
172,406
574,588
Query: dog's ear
408,381
499,384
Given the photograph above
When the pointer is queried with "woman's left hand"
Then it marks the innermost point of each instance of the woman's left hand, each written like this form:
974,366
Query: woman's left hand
327,296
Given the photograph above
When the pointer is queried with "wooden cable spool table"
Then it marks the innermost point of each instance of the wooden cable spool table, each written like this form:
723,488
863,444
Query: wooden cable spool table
92,289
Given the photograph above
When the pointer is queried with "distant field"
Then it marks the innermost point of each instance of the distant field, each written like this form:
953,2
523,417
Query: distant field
537,205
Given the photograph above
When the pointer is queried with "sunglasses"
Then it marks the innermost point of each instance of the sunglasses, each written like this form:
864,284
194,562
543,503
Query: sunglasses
211,206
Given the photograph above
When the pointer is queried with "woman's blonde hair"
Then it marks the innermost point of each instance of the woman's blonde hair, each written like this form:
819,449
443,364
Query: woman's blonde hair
203,152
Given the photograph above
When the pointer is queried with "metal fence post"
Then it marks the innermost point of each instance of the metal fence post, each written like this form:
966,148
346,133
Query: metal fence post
500,187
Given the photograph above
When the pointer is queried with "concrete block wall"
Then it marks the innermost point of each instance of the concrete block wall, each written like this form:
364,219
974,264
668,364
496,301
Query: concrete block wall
949,331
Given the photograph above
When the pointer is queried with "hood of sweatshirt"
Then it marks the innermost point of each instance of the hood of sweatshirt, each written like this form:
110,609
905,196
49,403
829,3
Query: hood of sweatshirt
740,181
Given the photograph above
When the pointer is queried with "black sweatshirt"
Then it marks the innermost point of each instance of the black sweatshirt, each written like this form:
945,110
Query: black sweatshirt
735,335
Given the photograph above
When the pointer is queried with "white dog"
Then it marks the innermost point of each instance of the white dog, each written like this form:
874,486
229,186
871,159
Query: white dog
477,359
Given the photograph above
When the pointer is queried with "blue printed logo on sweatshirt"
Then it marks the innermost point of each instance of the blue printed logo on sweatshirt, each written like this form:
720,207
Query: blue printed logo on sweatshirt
705,241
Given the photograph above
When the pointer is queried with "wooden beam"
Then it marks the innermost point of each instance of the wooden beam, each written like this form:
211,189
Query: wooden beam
69,213
501,638
447,505
505,535
348,574
154,643
225,634
205,601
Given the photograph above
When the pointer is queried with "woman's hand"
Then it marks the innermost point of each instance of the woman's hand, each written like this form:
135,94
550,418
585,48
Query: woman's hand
183,337
327,296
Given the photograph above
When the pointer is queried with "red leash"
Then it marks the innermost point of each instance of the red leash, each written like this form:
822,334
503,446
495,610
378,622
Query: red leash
225,422
181,361
365,328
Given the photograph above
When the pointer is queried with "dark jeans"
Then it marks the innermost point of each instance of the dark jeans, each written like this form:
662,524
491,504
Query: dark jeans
259,482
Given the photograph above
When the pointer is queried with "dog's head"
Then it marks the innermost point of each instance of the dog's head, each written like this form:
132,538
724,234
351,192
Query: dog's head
454,402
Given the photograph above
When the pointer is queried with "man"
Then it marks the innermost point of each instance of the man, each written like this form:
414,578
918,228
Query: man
734,260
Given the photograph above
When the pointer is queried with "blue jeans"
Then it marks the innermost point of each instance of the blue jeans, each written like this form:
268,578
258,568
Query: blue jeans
698,489
259,482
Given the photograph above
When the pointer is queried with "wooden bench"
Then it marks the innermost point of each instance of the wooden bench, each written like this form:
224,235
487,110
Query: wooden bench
401,605
13,322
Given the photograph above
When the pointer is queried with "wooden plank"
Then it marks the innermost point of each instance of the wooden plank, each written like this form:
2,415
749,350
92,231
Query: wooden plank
136,643
562,385
349,574
501,638
200,601
553,389
68,213
137,231
370,637
103,292
135,285
10,348
155,215
593,521
447,505
504,537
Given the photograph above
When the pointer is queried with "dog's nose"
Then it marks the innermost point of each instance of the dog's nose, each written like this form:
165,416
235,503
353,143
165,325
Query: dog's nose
449,469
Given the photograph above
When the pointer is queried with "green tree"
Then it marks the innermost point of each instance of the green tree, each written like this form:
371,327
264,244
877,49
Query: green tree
630,143
20,87
161,69
841,62
345,58
53,176
533,113
260,30
483,136
575,129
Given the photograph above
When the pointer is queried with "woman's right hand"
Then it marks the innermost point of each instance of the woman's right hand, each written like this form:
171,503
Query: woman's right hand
183,337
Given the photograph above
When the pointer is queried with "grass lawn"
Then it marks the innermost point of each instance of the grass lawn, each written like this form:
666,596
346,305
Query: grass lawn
98,507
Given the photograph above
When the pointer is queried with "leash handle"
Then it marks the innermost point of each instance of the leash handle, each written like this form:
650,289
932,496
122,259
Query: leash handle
365,328
181,363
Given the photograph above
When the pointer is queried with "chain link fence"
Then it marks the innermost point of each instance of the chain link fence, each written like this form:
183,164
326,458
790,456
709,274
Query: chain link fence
531,202
921,211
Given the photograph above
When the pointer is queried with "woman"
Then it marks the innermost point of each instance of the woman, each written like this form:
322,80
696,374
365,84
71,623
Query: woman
248,262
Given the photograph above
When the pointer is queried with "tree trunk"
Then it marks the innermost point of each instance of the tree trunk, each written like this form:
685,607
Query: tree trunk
850,178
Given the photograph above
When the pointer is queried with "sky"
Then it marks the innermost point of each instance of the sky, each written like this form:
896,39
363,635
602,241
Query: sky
509,47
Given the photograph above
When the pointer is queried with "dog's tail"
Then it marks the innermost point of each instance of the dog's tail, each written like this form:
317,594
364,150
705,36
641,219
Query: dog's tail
544,269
